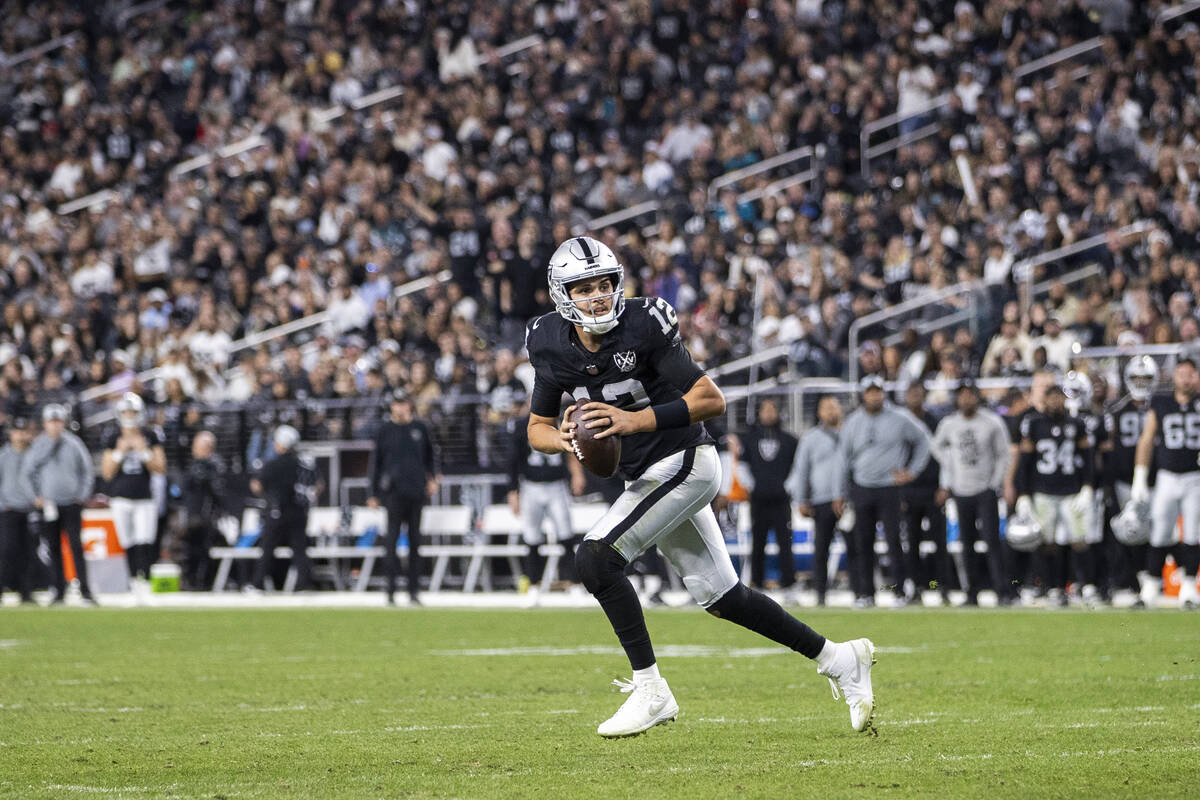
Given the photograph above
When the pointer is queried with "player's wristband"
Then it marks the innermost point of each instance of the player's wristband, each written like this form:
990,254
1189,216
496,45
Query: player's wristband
674,414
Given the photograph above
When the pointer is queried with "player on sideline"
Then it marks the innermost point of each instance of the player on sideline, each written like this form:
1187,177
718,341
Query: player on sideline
1171,436
625,362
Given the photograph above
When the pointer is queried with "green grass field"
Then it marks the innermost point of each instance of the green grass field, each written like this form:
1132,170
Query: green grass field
441,703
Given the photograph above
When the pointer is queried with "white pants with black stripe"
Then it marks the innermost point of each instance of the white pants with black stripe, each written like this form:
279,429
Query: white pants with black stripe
668,506
542,500
135,520
1175,494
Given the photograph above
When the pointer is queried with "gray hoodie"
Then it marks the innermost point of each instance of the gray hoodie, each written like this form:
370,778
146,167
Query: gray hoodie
873,445
59,471
817,472
973,452
14,492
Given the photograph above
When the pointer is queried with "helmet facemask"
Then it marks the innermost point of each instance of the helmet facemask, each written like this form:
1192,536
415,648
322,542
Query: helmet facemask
584,258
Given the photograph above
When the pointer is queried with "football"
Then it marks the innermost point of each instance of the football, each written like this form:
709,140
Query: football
599,456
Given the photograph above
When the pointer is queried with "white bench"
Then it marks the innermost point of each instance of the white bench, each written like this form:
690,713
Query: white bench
449,534
323,529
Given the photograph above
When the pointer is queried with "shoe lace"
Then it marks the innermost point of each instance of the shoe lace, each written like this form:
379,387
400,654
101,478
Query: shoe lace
833,685
625,686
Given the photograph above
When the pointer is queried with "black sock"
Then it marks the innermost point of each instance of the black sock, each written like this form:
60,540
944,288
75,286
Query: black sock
1188,557
624,610
761,614
1156,557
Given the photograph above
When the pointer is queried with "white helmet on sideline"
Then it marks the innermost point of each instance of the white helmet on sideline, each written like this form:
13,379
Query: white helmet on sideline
286,437
1023,533
1141,375
1132,526
579,258
131,411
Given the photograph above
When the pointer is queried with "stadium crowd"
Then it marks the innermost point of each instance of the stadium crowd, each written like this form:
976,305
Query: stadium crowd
487,160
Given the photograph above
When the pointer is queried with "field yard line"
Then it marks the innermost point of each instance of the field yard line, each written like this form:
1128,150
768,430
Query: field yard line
7,643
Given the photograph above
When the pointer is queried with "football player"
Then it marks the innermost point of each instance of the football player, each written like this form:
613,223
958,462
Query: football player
133,453
1086,556
1055,483
1171,437
623,362
1123,425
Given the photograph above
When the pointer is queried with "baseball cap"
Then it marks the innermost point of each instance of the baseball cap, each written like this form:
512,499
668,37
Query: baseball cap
19,423
870,382
55,411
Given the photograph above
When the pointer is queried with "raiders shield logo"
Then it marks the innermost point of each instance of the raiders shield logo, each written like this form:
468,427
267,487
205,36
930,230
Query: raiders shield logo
768,449
625,361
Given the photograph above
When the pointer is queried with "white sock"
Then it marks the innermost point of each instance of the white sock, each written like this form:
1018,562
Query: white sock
650,673
827,654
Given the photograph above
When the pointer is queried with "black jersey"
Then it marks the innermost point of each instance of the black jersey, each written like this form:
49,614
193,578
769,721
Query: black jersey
529,464
132,481
769,453
1177,448
1123,425
641,362
1060,445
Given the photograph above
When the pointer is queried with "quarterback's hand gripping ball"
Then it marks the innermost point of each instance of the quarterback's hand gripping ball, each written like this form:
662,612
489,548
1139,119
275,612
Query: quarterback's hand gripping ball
600,456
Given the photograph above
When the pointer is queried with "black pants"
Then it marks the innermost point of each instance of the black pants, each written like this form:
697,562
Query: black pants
979,517
285,527
920,505
197,566
70,521
403,511
874,506
824,526
771,514
16,553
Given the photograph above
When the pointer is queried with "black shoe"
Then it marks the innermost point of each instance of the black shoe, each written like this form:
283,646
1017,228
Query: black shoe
821,600
88,600
391,599
1004,601
1139,604
413,600
972,600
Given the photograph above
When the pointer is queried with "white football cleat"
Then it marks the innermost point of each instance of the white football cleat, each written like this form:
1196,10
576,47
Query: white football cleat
650,703
850,671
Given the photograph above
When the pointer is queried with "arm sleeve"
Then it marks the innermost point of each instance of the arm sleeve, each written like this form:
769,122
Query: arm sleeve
798,479
943,451
30,477
845,441
546,400
1001,449
1087,452
919,439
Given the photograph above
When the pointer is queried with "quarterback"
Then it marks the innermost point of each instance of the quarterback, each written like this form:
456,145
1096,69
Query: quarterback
623,362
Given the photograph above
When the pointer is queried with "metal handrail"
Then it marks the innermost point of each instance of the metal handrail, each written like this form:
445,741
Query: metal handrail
624,214
514,47
100,198
1022,271
1134,350
745,362
757,168
903,308
1023,71
1171,13
864,136
6,62
261,337
1058,57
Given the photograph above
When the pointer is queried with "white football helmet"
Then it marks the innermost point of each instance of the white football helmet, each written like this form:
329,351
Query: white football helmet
1132,525
1078,389
131,411
286,437
1023,533
579,258
1141,375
